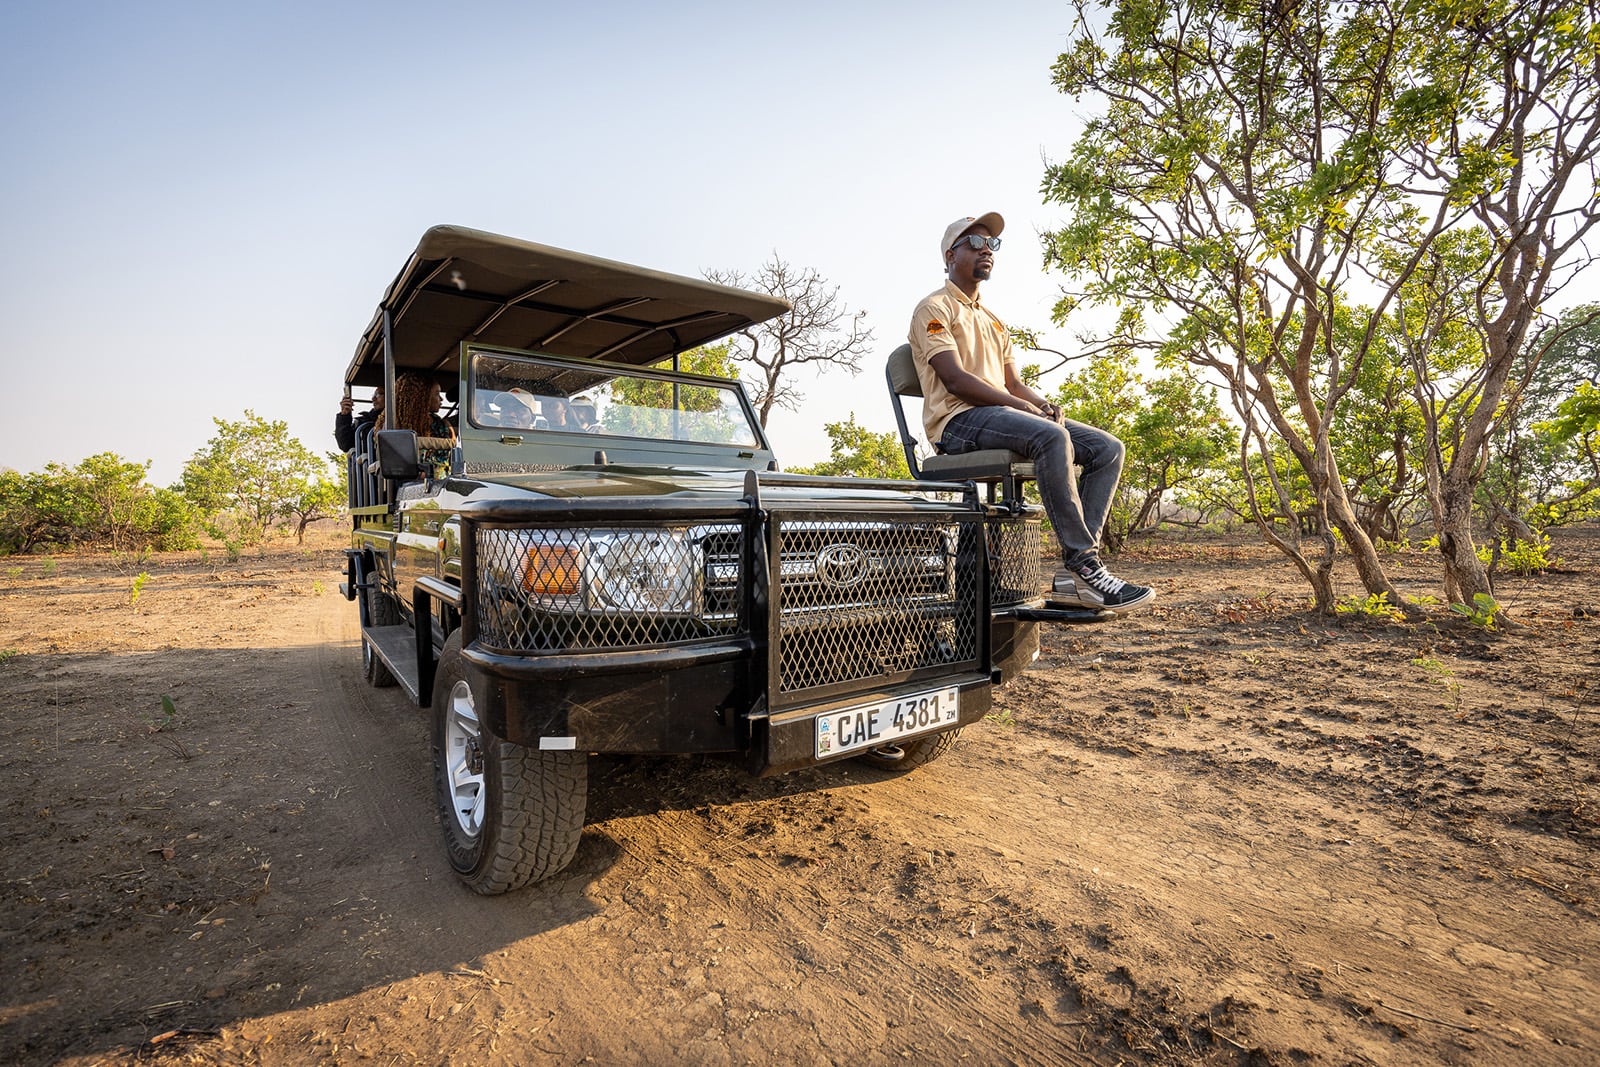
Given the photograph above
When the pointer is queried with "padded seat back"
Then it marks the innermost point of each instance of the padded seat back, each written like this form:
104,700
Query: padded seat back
990,465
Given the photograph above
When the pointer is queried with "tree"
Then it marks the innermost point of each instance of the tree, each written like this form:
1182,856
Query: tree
1173,430
115,491
1376,438
817,329
318,496
858,452
1288,184
37,509
254,473
103,501
1543,470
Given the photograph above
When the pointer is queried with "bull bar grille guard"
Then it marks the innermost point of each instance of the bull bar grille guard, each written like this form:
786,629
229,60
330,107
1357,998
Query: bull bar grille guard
865,595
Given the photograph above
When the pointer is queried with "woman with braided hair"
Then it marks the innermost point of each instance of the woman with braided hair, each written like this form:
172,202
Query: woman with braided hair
416,407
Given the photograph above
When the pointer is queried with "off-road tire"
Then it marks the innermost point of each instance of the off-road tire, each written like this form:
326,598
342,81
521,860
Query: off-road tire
532,802
383,611
913,753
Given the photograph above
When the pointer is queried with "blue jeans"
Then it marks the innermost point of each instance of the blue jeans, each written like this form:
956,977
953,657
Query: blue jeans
1077,507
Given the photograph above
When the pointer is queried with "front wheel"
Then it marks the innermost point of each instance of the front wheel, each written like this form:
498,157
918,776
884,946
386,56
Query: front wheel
909,755
511,814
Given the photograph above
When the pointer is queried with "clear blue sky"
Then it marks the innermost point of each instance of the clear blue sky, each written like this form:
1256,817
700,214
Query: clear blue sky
204,202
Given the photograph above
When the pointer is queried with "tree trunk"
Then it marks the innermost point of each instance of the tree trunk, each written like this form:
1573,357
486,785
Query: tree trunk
1362,550
1318,575
1464,573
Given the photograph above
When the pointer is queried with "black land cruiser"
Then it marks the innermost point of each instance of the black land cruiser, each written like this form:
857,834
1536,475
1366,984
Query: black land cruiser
599,555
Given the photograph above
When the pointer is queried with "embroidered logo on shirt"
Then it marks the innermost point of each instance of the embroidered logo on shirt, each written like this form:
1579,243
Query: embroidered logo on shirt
935,326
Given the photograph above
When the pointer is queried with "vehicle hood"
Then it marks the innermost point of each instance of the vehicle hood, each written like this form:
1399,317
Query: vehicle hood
665,482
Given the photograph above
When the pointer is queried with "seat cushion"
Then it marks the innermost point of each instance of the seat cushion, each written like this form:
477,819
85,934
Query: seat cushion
988,463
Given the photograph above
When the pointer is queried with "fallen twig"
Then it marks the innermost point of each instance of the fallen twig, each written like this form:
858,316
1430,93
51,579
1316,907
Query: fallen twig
1425,1018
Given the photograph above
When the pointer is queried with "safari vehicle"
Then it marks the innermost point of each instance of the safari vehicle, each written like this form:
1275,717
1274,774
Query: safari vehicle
602,556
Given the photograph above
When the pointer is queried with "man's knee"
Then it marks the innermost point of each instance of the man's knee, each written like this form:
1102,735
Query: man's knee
1056,440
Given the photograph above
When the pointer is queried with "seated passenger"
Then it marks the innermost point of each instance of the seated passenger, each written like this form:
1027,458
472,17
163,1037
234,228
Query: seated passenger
416,407
583,411
345,428
519,410
417,400
557,413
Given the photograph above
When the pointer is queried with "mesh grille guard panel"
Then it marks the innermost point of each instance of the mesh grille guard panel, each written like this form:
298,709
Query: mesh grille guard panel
872,600
1016,561
588,589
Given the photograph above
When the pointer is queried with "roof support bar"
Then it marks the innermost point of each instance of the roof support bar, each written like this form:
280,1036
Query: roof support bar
602,314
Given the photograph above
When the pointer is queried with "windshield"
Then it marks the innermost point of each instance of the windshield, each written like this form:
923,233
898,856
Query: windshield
530,393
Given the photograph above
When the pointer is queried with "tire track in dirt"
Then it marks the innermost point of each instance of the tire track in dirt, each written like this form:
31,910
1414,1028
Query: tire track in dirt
381,734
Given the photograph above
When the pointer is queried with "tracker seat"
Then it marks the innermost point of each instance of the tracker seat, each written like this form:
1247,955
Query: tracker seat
993,467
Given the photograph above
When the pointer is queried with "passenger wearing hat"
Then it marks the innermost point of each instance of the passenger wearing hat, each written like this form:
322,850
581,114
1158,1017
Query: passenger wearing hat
973,398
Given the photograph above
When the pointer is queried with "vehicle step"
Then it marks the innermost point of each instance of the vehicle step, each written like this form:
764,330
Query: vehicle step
397,647
1058,611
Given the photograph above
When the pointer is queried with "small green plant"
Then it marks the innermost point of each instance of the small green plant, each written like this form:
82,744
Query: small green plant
1521,557
1424,600
1373,605
161,729
47,566
138,587
1480,612
1003,717
316,587
7,653
142,557
1439,672
13,572
234,549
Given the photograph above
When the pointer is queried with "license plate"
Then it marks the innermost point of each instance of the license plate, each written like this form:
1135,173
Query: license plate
870,725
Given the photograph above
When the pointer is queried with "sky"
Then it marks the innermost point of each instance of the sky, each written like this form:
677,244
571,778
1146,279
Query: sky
203,203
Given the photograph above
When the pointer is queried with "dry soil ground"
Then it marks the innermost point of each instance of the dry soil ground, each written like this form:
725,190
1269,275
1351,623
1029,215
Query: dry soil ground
1222,832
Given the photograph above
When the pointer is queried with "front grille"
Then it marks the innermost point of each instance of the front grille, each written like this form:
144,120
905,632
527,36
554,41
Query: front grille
573,589
862,600
1016,561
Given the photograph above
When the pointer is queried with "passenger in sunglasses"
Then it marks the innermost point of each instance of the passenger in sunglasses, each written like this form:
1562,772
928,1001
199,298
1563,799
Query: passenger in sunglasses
975,399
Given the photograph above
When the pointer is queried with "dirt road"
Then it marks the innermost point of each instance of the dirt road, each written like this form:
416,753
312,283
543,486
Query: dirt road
1224,832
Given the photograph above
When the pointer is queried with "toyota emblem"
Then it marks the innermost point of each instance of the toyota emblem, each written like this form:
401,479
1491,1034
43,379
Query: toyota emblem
841,565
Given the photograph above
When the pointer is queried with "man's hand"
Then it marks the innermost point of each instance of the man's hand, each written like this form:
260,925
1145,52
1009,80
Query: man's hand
346,406
1052,412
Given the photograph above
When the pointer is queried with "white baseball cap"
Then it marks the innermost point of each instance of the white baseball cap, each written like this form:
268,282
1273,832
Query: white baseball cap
991,222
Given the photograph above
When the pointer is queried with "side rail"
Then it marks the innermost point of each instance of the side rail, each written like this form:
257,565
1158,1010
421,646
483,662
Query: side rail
367,487
424,593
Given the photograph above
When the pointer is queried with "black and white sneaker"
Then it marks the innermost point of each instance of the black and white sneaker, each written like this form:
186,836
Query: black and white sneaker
1090,584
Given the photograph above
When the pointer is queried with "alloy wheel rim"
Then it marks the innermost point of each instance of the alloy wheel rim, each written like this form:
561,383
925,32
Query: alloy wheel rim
464,760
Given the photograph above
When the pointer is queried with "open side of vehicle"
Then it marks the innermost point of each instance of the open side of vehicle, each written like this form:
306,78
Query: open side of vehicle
603,558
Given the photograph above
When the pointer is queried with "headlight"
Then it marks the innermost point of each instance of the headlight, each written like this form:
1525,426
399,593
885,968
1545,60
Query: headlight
645,572
651,572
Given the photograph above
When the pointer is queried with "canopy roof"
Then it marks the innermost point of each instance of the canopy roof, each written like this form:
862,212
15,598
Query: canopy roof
468,285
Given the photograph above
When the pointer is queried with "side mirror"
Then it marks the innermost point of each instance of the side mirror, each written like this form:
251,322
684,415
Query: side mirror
397,455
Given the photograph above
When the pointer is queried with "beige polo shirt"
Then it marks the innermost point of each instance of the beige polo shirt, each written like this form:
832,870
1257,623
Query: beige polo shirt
947,321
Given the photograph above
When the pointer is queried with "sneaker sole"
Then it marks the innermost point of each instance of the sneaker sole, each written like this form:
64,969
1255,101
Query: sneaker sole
1091,600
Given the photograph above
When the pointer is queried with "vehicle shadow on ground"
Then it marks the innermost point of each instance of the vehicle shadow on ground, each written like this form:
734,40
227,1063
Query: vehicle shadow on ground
623,786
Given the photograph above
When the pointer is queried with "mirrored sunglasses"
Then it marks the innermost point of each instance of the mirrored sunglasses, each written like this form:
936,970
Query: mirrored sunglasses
976,243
